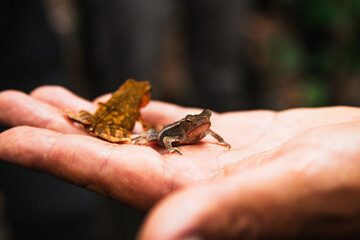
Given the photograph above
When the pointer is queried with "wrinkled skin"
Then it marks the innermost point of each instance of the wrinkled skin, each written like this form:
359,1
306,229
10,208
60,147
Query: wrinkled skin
289,173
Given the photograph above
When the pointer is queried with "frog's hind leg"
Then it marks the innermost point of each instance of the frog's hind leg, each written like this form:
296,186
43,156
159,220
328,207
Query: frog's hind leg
221,141
149,136
82,116
113,133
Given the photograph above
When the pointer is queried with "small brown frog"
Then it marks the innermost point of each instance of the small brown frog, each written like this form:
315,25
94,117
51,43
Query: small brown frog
114,119
188,130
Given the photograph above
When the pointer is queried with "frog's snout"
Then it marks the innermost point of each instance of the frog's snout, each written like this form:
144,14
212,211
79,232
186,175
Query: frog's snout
206,112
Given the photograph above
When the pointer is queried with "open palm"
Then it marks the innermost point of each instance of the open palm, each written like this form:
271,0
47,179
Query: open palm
264,143
137,175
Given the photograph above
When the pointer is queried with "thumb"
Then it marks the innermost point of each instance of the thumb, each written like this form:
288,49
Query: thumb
254,205
274,201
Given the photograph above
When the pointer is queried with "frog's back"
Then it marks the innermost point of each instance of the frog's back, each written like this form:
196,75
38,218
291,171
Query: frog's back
123,107
117,111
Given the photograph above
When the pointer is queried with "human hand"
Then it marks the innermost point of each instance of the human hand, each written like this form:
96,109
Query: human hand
305,187
136,175
266,166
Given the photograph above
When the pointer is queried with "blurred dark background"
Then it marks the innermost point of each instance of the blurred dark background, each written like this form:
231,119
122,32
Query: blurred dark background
223,55
272,54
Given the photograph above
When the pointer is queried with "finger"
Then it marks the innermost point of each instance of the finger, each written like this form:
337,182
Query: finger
156,112
236,208
165,113
60,97
278,200
17,108
128,173
102,98
267,208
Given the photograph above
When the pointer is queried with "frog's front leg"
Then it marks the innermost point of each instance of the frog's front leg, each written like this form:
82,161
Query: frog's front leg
82,116
144,124
218,137
168,144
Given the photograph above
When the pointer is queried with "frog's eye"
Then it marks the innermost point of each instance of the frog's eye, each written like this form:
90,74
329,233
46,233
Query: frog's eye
188,120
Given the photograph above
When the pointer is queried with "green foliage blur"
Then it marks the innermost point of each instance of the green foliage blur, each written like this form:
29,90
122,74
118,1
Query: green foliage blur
304,53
